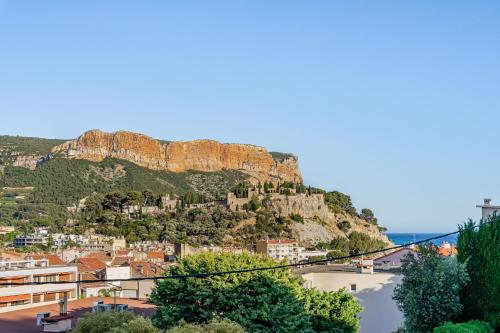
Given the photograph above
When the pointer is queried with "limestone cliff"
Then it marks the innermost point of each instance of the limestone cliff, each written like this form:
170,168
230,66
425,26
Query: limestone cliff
201,155
320,224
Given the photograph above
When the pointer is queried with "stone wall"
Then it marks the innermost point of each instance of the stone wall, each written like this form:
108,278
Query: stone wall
307,206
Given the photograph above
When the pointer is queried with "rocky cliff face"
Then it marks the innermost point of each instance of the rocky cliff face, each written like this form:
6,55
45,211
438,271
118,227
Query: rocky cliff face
320,224
202,155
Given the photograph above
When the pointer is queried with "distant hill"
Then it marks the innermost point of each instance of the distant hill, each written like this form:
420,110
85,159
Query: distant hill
41,178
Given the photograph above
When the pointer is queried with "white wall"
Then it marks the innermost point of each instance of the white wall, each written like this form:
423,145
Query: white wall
374,292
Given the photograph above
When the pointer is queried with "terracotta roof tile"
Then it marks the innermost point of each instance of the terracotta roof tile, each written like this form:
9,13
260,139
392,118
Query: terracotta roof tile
120,261
147,269
91,264
53,259
156,255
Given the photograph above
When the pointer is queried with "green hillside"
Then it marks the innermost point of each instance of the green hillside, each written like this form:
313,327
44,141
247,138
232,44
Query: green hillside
11,146
65,181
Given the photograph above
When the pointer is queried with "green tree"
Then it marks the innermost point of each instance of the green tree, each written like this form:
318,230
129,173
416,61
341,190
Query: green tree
113,322
340,244
260,301
113,201
339,202
325,308
367,215
429,293
479,249
134,198
148,197
223,326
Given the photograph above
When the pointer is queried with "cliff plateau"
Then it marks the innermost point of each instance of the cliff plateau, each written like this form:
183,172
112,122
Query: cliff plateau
200,155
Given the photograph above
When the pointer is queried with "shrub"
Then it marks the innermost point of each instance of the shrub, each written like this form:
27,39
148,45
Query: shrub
344,226
297,218
224,326
113,322
474,326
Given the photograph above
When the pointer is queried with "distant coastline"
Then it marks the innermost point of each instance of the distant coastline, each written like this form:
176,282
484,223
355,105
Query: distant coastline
405,238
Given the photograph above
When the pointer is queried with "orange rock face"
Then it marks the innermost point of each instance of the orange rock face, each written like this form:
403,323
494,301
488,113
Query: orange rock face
202,155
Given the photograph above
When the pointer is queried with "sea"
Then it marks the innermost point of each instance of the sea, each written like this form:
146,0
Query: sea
405,238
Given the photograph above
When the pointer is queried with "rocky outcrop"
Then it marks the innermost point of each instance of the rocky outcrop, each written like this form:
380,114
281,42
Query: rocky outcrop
201,155
319,224
30,161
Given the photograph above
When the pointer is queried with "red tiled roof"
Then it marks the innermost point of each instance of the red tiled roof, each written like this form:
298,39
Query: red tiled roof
52,258
447,251
101,255
147,269
156,255
90,264
122,253
120,261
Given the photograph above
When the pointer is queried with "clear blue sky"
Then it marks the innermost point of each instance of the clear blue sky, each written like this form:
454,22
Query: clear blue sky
394,103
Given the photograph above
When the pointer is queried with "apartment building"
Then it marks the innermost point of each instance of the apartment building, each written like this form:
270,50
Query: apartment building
280,249
30,240
21,271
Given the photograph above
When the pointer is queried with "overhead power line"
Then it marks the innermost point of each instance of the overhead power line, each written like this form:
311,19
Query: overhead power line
238,271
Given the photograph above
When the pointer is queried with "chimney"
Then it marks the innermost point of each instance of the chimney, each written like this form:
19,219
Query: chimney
487,202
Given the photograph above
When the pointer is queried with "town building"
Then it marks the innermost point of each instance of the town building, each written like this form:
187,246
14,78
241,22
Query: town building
392,260
169,203
280,249
488,210
183,250
22,271
304,256
30,240
447,250
374,291
6,229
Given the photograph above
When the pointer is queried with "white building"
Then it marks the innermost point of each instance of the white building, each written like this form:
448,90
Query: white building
487,209
305,255
27,296
373,291
280,249
62,239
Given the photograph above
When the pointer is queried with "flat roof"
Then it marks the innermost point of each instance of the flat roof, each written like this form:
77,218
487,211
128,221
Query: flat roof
24,321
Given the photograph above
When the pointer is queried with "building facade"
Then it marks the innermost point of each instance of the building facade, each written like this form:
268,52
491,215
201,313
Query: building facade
27,296
280,249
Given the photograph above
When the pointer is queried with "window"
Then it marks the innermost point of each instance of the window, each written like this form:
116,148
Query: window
50,278
37,298
37,278
352,286
14,303
50,297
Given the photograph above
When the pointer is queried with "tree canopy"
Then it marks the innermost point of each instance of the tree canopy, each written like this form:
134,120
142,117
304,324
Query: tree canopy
429,293
479,249
261,301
